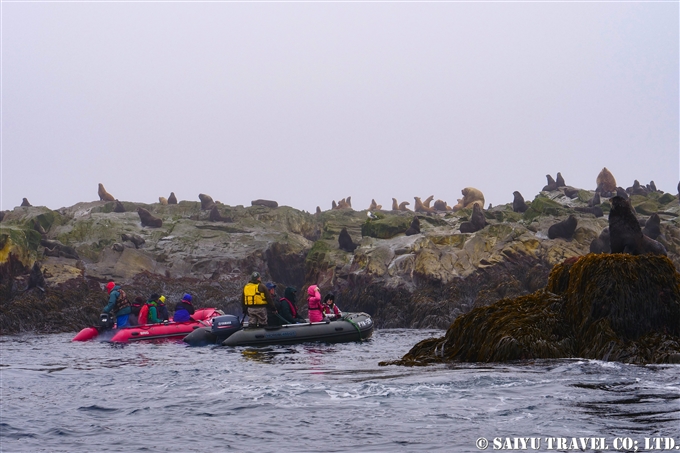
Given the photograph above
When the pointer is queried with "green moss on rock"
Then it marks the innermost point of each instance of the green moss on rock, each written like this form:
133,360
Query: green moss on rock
386,228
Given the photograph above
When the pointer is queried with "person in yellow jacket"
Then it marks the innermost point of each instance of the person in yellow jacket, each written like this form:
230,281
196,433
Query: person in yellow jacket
255,299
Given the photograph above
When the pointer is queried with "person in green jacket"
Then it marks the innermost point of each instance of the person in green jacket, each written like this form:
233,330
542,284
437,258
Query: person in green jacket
152,317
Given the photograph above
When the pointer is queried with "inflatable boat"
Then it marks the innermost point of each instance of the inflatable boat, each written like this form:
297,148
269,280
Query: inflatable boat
169,330
228,330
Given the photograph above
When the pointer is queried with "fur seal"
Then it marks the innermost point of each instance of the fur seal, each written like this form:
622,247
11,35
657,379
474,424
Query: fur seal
440,205
605,183
625,234
414,228
374,206
637,189
163,200
36,279
148,219
268,203
652,187
119,207
402,206
559,180
472,196
595,201
2,215
571,192
136,239
476,223
601,243
318,211
652,227
333,205
345,241
621,192
215,216
518,203
206,201
103,194
39,228
25,202
564,229
118,247
594,210
56,248
420,207
172,199
552,185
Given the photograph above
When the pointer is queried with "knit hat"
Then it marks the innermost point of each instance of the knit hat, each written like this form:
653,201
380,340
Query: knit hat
187,297
154,296
161,299
109,286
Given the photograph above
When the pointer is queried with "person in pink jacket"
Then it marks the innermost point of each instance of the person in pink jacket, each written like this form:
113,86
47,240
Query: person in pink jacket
314,304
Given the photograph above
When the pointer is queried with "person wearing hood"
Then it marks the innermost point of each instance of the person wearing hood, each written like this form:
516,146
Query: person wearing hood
288,306
162,310
255,299
314,304
118,304
184,309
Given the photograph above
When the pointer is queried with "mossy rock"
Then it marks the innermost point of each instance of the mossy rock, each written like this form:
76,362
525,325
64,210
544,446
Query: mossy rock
542,205
667,198
584,195
386,228
503,216
647,207
432,220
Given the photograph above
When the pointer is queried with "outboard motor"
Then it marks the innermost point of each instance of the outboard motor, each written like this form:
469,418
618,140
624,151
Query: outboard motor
105,321
225,325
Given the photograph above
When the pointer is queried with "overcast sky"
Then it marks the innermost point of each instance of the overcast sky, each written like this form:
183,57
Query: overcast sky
309,102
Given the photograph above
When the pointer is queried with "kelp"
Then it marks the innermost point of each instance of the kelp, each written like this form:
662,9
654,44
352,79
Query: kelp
608,307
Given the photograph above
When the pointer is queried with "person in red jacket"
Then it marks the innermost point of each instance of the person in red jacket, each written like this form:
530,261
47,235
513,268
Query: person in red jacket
329,308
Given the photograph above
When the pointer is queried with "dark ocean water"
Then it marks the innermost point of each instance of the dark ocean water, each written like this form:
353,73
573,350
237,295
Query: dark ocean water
59,396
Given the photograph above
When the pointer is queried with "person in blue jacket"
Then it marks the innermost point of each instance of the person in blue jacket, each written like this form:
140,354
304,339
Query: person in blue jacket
184,309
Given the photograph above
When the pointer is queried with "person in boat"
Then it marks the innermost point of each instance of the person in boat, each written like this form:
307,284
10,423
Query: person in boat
162,310
255,299
273,319
118,304
148,314
184,309
329,308
136,307
314,304
288,308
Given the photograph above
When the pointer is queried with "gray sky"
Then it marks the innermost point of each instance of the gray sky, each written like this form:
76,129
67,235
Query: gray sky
305,103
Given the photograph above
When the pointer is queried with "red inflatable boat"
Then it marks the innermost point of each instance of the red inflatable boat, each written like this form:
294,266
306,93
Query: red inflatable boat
170,330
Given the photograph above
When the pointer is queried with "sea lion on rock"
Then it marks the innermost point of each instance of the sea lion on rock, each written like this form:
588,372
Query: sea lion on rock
472,196
571,192
215,216
402,206
559,180
163,200
595,201
206,201
268,203
2,215
349,201
594,210
374,206
333,205
605,183
621,192
420,207
395,205
477,221
564,229
440,205
318,211
342,204
148,219
625,234
428,200
601,243
119,207
172,199
414,228
552,185
118,247
103,194
345,241
56,248
637,189
518,203
652,227
36,279
458,206
136,239
39,228
652,187
25,202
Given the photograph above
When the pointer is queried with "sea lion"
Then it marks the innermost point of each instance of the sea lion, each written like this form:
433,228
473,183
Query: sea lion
36,279
625,234
342,204
605,183
552,185
148,219
136,239
56,248
215,216
374,206
318,211
477,221
25,202
595,201
345,241
518,203
652,227
349,201
652,187
458,206
428,200
39,228
594,210
419,207
118,247
119,207
2,215
163,200
206,201
571,192
564,229
637,189
601,243
333,205
440,205
268,203
103,194
559,180
172,199
472,196
402,206
395,205
621,192
414,228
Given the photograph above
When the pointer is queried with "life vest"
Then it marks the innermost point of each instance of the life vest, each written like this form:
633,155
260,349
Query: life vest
143,315
293,311
121,302
253,295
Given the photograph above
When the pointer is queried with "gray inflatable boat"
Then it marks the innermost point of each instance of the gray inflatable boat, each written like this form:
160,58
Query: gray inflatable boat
227,330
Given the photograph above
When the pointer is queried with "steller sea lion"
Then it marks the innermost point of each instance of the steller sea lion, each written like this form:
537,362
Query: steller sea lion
318,211
605,183
428,200
458,206
402,206
472,196
342,204
268,203
172,199
148,219
414,228
518,203
349,201
564,229
625,234
215,216
163,200
440,205
103,194
136,239
206,201
334,205
395,205
25,202
374,206
345,241
420,207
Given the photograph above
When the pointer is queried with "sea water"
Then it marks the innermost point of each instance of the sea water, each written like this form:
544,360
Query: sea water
59,396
